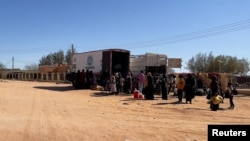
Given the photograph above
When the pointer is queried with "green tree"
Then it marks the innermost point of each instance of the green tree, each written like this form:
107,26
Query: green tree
57,57
220,63
2,66
46,60
209,67
69,54
52,58
200,63
243,66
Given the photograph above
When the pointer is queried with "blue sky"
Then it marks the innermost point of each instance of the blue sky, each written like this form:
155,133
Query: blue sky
31,29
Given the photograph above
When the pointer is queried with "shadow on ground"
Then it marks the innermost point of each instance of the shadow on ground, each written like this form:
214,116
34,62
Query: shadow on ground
56,88
166,103
107,93
101,94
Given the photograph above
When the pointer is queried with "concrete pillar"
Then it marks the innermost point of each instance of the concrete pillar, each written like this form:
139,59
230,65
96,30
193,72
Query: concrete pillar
52,77
47,75
64,76
58,76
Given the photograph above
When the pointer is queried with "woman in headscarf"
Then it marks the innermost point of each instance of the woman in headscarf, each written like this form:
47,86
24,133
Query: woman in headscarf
149,90
215,92
189,88
164,81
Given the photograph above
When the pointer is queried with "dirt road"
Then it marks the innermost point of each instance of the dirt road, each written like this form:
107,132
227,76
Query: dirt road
41,111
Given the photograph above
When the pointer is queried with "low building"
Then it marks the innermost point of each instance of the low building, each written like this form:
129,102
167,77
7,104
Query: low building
45,73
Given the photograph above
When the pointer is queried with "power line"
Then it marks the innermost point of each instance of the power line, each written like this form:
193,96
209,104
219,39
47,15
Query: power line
241,25
236,26
28,50
195,35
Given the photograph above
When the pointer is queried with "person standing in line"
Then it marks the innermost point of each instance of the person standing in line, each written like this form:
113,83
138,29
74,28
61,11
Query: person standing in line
128,83
121,84
171,83
215,91
200,83
83,78
113,89
231,95
149,88
189,88
164,90
214,86
158,80
78,79
180,87
117,80
140,80
94,81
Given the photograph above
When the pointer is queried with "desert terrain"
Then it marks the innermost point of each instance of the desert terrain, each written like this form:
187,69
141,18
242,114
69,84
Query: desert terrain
47,111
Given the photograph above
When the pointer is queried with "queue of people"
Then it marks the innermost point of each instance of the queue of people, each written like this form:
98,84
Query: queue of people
146,84
186,87
82,79
149,85
119,84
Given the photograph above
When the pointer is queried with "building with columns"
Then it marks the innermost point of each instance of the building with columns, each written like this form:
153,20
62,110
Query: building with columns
45,73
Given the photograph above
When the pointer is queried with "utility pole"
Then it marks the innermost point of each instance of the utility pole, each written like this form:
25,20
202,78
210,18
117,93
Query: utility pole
220,65
12,70
71,60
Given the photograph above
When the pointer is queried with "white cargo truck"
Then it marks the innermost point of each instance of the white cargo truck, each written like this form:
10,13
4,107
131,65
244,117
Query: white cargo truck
100,63
108,60
149,62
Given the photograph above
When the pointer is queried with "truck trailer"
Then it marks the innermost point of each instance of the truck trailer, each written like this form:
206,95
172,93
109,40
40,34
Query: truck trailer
149,62
101,63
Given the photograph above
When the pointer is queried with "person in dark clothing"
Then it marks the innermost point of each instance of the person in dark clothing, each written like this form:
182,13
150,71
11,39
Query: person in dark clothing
189,88
214,86
231,95
149,90
164,91
128,83
87,76
158,80
117,77
82,79
200,84
201,89
215,91
78,80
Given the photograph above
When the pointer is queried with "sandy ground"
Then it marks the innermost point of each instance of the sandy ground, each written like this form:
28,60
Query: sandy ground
41,111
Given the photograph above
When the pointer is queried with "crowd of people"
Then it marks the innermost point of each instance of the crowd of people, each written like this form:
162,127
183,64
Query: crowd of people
162,84
147,84
82,79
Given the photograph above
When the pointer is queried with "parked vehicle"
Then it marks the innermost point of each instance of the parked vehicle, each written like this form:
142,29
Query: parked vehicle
109,60
101,63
